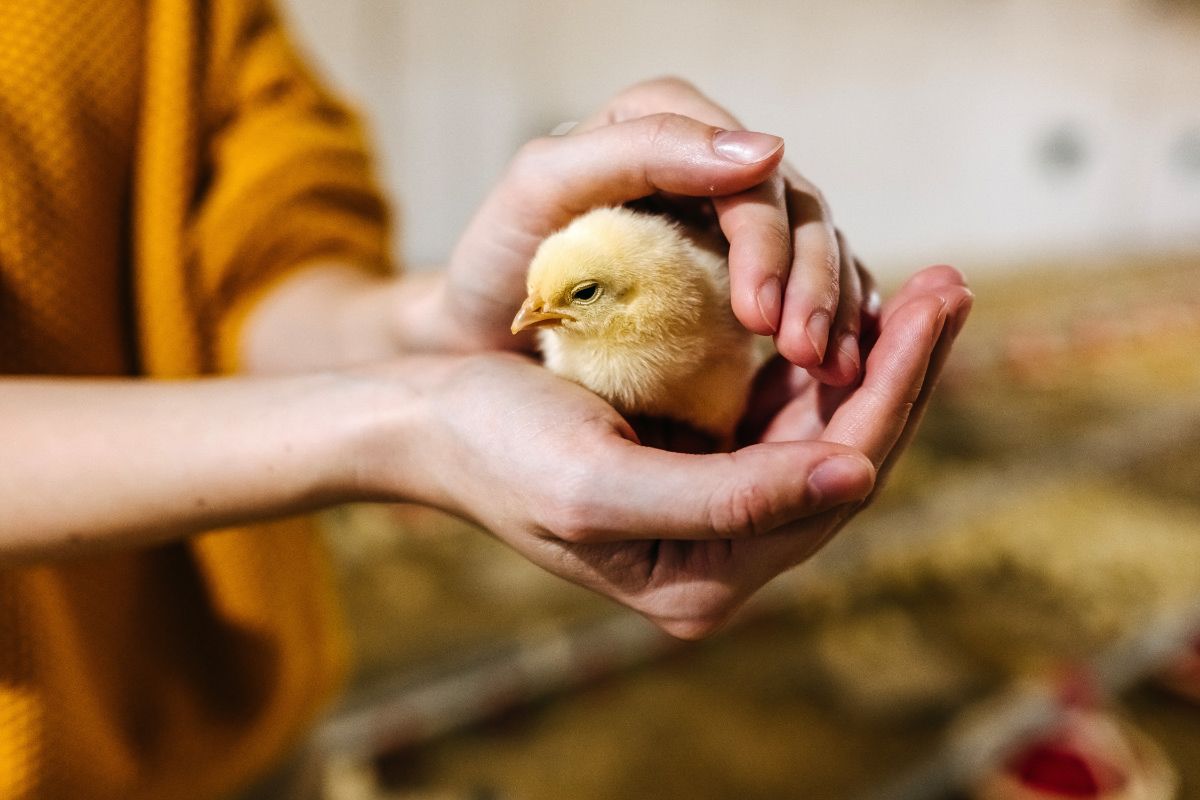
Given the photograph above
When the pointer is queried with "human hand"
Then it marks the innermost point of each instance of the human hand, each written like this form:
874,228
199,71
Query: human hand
791,273
552,470
684,539
879,418
693,587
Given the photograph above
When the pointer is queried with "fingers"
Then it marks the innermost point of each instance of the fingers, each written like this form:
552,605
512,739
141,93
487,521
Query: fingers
760,253
930,280
794,276
954,324
642,493
843,357
565,176
788,275
901,366
754,221
874,416
814,287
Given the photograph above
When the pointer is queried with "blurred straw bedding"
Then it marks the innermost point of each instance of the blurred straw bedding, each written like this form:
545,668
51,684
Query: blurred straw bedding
1051,505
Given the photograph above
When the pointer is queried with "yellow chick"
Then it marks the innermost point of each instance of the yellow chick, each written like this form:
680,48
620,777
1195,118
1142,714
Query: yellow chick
636,308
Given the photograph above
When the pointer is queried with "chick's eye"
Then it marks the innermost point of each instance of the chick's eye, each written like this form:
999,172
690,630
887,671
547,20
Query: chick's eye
585,293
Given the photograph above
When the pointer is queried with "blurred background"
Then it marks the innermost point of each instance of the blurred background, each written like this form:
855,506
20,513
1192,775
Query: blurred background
1018,614
980,133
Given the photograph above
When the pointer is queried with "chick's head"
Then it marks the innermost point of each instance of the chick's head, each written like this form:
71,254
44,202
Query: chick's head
614,274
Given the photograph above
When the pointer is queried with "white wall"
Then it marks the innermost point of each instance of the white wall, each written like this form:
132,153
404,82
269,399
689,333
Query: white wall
925,122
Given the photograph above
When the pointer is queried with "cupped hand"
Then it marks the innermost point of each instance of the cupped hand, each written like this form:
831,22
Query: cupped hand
791,273
556,473
690,588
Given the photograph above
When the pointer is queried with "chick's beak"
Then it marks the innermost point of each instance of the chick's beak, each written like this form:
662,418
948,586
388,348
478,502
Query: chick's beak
533,313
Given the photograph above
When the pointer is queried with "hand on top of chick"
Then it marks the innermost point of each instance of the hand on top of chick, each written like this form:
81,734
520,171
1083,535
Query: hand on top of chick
636,307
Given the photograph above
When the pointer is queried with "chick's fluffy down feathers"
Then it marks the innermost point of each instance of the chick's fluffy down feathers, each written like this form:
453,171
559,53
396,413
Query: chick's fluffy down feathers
645,318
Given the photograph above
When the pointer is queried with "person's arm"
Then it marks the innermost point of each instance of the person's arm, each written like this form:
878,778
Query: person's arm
335,314
94,464
104,464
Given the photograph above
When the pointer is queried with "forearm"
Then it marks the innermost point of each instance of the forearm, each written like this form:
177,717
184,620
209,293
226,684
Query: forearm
333,315
91,464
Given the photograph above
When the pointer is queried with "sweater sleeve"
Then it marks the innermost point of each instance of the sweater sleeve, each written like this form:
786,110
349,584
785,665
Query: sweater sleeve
286,179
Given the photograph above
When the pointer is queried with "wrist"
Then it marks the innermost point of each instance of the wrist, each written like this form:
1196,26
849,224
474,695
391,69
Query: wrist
420,320
386,431
326,316
433,316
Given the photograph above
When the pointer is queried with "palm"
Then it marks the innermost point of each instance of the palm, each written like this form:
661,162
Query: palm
789,404
553,470
656,576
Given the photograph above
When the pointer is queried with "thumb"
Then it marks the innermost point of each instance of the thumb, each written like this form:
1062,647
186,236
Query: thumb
564,176
645,493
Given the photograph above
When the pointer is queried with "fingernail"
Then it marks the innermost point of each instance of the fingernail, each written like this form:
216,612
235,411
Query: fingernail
769,303
840,479
745,147
848,344
818,332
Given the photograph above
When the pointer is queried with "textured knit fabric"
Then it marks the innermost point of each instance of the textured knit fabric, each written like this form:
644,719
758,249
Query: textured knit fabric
162,163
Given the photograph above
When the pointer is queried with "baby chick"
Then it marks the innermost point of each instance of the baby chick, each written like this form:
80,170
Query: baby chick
636,308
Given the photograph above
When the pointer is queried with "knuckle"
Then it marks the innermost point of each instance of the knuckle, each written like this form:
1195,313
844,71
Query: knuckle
662,128
831,262
826,299
741,511
532,174
778,237
824,281
532,155
769,234
570,524
572,513
805,203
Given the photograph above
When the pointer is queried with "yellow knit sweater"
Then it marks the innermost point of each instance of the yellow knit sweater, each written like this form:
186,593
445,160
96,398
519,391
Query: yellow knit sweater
161,162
